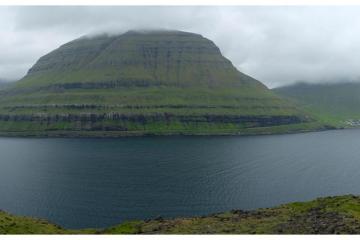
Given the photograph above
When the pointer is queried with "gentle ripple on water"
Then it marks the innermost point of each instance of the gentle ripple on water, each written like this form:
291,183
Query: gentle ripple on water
80,183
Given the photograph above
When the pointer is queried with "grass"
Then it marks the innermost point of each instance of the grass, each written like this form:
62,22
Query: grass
328,215
194,105
10,224
10,128
150,76
333,103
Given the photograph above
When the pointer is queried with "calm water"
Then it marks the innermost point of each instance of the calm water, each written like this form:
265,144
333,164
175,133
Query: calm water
81,183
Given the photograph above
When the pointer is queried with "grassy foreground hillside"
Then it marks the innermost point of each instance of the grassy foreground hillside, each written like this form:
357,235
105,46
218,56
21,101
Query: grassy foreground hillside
336,103
330,215
156,82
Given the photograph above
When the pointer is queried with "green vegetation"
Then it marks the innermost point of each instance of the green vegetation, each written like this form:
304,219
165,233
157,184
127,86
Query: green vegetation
330,215
158,82
334,103
10,224
5,84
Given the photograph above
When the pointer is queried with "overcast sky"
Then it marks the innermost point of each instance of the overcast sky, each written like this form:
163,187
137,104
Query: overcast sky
276,45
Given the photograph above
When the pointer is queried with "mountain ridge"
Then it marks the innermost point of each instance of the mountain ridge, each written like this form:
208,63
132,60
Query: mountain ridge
336,102
158,82
103,45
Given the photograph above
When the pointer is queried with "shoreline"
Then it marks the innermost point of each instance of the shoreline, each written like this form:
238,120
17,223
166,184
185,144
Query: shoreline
124,134
325,215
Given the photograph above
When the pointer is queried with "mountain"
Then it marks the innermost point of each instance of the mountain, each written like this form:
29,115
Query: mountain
329,215
338,103
149,82
5,83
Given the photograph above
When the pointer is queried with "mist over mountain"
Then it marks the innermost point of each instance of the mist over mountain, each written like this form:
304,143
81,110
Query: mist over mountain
153,82
335,101
5,83
277,45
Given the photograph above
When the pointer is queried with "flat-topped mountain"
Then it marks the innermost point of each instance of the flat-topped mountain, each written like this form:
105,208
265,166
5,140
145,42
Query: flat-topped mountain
143,82
138,59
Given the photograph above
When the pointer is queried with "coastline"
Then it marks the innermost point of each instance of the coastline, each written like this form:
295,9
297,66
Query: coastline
326,215
274,130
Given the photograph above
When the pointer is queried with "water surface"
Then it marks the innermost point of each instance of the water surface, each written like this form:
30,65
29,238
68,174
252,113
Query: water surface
81,183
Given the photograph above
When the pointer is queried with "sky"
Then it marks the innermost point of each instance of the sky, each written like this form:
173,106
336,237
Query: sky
276,45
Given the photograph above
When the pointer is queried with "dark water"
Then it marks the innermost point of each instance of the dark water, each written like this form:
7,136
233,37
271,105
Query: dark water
81,183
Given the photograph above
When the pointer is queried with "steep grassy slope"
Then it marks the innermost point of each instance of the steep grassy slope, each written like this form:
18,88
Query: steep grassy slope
157,82
336,102
331,215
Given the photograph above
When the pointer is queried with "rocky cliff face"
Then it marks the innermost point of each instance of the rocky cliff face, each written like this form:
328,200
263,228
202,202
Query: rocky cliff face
152,82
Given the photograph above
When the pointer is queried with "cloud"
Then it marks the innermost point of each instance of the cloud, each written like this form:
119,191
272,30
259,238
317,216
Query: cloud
277,45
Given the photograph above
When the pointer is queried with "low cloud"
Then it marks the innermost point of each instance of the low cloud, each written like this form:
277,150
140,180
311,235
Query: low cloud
277,45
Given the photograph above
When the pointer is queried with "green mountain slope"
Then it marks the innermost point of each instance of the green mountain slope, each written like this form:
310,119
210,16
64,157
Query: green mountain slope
5,84
156,82
334,102
330,215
